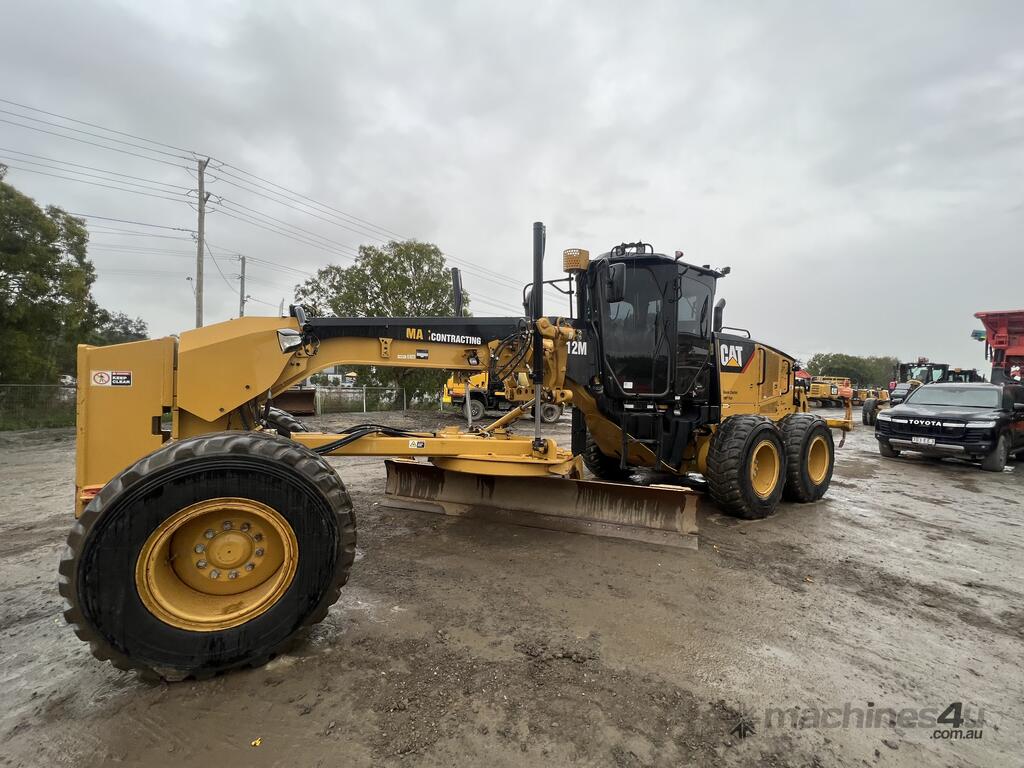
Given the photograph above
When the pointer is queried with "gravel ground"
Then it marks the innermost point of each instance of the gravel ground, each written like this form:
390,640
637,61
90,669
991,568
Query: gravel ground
460,642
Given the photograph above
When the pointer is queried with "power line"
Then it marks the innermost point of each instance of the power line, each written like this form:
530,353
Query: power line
95,184
94,135
128,221
221,271
79,165
91,143
257,218
148,186
94,125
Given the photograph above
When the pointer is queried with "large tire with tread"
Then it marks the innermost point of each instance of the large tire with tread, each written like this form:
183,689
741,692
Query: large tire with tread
476,408
603,466
284,422
810,456
996,461
746,466
105,571
867,411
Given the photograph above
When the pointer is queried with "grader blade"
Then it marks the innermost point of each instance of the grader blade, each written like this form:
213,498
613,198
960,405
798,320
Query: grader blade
656,514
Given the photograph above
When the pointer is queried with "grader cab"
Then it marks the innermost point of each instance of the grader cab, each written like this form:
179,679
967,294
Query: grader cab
210,528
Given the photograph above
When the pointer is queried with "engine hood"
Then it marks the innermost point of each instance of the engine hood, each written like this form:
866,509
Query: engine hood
944,412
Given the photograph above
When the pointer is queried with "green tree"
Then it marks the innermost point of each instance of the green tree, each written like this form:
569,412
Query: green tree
46,302
863,371
399,279
118,328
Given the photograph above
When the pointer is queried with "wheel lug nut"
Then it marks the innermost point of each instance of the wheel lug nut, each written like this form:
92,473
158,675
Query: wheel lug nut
226,525
233,575
214,574
209,533
246,526
259,552
250,566
258,537
200,564
199,548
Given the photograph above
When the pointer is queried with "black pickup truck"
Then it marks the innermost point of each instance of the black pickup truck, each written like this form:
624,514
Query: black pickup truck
979,422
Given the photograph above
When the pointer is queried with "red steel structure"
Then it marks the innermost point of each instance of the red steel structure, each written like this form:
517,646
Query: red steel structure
1004,343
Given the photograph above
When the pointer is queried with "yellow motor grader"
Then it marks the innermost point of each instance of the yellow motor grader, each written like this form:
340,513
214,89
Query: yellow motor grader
211,529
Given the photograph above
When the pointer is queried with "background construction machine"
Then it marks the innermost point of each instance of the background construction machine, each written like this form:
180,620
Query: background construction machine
1004,344
909,376
487,394
209,532
830,391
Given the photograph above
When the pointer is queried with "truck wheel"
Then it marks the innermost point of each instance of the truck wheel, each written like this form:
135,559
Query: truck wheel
603,466
810,456
887,450
476,409
211,553
284,422
746,466
867,412
550,413
996,461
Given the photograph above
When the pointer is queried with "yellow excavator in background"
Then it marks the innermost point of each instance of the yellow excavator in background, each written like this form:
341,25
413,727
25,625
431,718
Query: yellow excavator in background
211,529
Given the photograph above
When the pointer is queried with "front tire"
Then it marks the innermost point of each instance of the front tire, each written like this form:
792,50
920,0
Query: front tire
810,457
746,466
887,450
603,466
210,554
996,461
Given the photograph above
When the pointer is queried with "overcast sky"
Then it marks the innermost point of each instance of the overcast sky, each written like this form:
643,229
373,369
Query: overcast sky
859,165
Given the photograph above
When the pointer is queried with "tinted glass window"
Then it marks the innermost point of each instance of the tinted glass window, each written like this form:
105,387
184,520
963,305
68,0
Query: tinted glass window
634,335
966,397
694,307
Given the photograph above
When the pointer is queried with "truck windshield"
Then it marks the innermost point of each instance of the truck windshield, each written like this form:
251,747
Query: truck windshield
964,397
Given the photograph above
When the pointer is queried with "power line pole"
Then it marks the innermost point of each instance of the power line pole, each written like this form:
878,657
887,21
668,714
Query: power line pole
200,240
241,287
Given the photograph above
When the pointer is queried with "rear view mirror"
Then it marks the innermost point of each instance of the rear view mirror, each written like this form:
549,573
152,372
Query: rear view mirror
528,303
615,290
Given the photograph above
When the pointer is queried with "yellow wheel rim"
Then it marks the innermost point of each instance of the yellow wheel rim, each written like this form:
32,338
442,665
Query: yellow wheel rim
216,564
764,468
818,460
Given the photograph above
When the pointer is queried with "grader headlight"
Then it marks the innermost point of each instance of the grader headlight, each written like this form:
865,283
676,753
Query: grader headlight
289,339
575,260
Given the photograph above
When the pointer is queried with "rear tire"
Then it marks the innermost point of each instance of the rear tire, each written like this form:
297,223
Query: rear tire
746,466
603,467
284,422
810,457
887,450
996,461
128,596
867,411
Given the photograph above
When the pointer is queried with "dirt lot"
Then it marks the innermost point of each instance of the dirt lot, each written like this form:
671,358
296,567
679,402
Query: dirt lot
464,643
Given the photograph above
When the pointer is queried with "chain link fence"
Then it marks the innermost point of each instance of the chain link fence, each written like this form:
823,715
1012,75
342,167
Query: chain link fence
34,406
360,399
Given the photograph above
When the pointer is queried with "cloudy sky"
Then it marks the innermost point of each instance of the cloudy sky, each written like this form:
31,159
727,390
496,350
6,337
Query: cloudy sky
859,165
